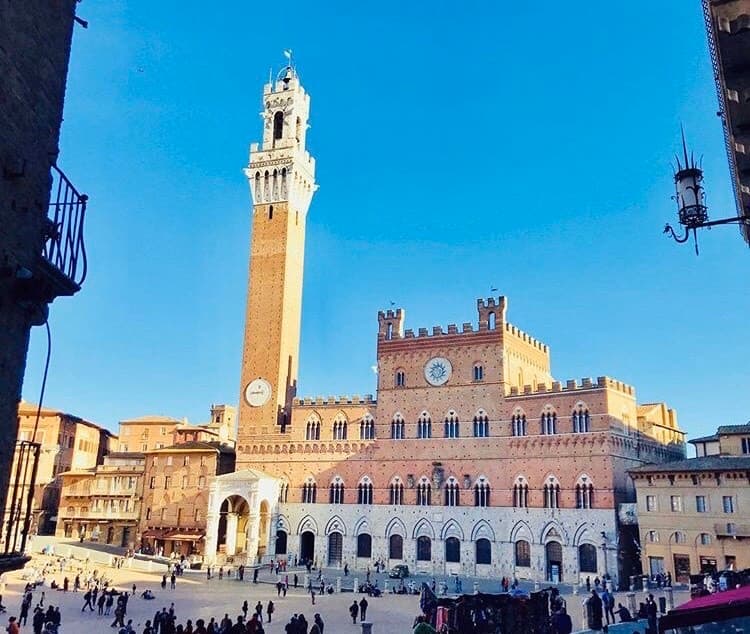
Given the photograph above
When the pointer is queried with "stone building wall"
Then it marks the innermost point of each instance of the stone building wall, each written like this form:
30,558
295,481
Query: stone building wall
36,37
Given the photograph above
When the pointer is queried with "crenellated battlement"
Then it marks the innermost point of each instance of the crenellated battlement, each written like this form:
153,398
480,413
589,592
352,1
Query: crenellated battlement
573,385
356,399
526,338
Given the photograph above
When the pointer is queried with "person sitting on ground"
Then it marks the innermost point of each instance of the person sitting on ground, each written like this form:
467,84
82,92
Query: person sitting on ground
148,595
624,614
422,627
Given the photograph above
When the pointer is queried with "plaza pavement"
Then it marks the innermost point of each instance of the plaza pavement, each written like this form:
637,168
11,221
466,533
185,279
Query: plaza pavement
196,597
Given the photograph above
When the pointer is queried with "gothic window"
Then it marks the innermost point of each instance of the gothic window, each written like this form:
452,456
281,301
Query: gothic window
367,428
584,493
478,372
424,492
481,493
452,550
521,493
519,424
483,549
336,492
284,492
258,191
364,545
339,428
312,429
396,547
364,491
266,187
581,419
452,493
309,492
451,425
283,183
523,553
552,493
400,379
397,428
424,426
549,423
278,125
424,548
396,491
275,185
481,425
587,558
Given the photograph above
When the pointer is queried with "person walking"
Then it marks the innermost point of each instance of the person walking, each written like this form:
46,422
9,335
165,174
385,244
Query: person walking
363,609
23,615
12,626
163,582
259,610
172,581
354,611
651,614
100,603
318,622
37,621
245,608
87,601
269,610
594,612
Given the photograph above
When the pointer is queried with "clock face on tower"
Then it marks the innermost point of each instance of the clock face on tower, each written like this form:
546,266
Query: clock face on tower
437,371
258,392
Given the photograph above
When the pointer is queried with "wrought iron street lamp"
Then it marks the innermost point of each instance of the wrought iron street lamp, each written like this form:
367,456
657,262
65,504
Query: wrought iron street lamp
690,196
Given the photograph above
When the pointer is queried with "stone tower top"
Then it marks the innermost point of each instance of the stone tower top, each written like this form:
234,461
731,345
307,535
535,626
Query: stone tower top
280,168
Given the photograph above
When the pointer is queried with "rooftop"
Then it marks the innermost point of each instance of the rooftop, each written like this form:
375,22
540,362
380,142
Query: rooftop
704,463
195,445
712,438
154,418
733,429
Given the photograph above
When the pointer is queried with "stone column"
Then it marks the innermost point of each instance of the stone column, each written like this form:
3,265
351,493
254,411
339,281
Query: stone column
668,594
231,542
253,524
631,603
212,536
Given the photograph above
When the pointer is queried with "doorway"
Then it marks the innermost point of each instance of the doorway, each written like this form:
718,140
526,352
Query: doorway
307,546
335,548
554,554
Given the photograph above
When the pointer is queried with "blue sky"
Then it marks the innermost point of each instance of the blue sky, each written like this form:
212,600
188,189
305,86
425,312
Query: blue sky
460,147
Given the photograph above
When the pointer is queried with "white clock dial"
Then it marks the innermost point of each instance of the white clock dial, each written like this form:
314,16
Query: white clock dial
437,371
258,392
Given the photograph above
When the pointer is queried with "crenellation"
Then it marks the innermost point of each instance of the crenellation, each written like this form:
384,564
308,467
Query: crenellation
408,333
452,329
467,327
437,330
556,387
586,382
570,384
423,332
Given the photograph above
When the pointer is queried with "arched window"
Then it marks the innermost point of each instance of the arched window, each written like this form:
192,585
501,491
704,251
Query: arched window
424,492
283,183
652,537
312,429
519,424
367,428
587,558
364,491
309,492
258,190
678,537
478,372
339,428
705,539
523,553
266,186
396,492
584,493
424,426
275,185
549,423
278,125
364,545
483,549
400,378
552,493
451,425
521,493
398,427
581,419
481,493
481,425
452,493
452,550
396,547
424,548
491,321
284,492
336,492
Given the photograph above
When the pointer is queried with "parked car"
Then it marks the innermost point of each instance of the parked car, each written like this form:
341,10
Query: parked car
401,571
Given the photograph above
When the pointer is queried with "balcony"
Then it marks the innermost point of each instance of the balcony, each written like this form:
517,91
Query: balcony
61,266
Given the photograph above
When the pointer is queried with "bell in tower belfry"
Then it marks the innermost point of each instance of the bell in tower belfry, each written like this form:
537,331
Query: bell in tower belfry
281,175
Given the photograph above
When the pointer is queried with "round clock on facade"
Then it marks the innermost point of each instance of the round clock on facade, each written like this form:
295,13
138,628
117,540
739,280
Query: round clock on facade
437,371
258,392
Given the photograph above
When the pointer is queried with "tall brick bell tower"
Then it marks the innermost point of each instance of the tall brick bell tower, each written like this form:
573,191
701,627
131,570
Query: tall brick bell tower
282,183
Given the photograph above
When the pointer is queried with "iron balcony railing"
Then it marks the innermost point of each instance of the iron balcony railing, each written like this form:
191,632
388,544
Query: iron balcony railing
64,247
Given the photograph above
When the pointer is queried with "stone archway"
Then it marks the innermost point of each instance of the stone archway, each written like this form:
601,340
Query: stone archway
554,557
234,515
